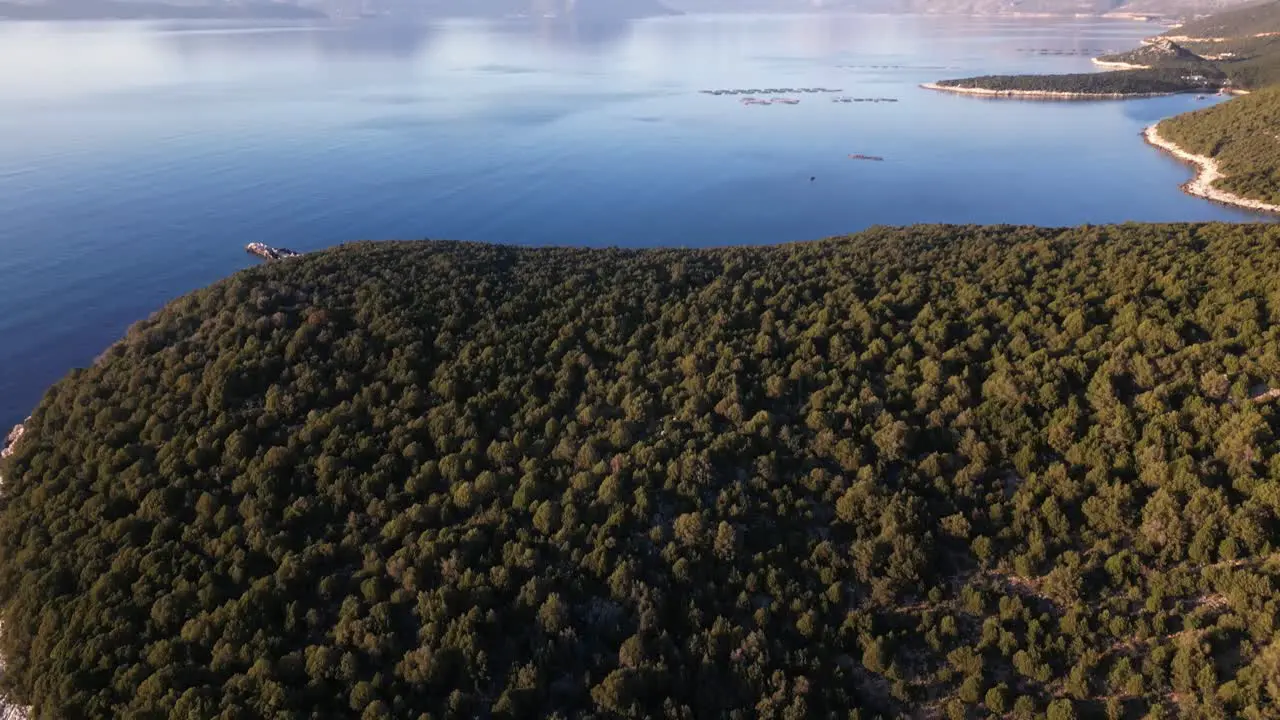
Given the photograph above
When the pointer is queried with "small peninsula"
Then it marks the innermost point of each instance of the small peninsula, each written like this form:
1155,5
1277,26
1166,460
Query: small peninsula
1208,175
1236,146
1131,83
1079,86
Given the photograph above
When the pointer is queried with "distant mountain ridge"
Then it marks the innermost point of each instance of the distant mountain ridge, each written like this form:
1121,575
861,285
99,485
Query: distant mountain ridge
607,10
1161,8
580,9
148,9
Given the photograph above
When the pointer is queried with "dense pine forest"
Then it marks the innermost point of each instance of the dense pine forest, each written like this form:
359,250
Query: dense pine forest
1242,136
944,471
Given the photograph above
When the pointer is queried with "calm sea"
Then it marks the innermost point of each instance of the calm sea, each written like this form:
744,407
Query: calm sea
137,160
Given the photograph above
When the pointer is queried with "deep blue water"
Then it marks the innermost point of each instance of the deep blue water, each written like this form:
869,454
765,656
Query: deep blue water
136,160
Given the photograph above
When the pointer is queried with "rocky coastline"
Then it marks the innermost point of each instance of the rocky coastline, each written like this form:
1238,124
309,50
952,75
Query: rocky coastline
1208,172
12,439
9,710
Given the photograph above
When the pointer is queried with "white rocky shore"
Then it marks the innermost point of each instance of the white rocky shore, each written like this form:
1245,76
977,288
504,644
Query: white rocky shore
9,710
1114,65
1208,172
1036,94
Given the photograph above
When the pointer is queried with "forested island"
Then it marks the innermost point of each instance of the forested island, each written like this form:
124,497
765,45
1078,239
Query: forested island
956,471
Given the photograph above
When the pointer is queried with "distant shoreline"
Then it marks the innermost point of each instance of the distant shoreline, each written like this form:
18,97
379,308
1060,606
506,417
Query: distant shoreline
1208,172
1190,39
1038,94
1114,65
111,10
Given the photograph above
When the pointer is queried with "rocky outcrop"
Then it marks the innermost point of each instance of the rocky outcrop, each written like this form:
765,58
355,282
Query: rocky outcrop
6,448
10,710
12,439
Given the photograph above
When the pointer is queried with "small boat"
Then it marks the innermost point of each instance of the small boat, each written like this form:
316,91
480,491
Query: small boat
872,158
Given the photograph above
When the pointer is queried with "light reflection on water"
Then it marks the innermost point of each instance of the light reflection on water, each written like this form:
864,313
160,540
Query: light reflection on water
136,159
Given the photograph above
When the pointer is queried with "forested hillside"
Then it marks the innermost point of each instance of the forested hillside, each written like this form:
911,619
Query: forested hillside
949,470
1243,136
1245,43
1251,63
1252,19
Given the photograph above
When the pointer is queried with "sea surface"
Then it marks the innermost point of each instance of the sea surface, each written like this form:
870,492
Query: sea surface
137,159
